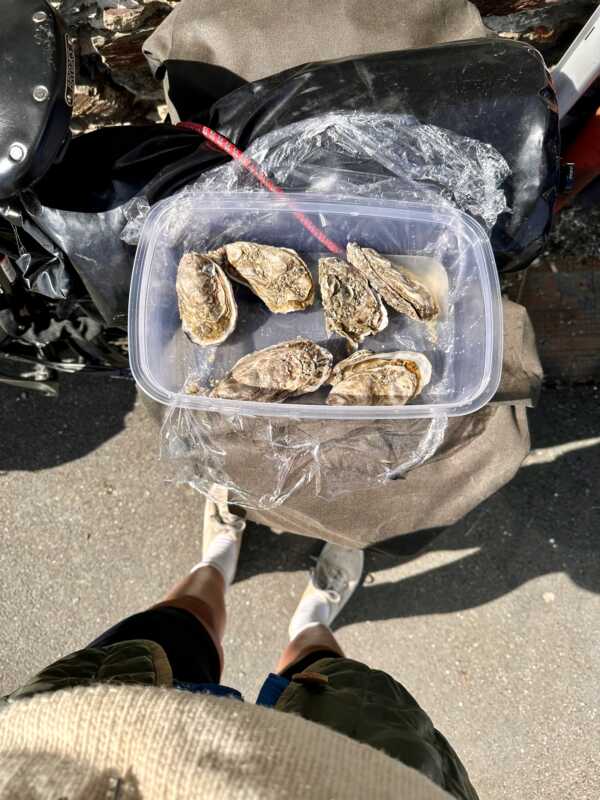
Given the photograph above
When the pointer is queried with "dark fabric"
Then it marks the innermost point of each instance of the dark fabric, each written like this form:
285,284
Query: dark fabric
271,690
35,53
134,661
197,88
118,162
492,90
370,706
189,647
307,661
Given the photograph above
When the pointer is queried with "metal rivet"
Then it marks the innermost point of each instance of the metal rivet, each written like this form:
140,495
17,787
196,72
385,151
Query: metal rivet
40,16
40,93
17,152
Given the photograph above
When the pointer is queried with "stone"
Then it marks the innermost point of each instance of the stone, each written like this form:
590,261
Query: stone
115,85
550,25
111,33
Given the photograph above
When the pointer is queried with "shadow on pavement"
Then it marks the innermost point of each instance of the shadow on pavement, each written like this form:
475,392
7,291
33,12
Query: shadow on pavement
546,520
38,432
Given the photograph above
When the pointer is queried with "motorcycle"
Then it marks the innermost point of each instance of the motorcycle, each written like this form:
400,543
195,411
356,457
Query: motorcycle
64,200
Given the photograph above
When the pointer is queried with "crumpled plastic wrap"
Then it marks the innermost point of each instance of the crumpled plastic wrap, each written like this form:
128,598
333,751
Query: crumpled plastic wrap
382,156
348,155
135,212
288,455
377,155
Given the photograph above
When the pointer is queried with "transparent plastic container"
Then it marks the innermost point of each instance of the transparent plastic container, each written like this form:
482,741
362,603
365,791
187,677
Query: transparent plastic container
445,247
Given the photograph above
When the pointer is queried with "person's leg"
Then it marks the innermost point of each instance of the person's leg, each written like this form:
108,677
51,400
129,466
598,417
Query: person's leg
335,578
363,703
310,645
203,591
193,611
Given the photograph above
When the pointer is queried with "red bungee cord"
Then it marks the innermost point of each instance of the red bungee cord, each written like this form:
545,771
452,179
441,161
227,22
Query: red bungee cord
223,144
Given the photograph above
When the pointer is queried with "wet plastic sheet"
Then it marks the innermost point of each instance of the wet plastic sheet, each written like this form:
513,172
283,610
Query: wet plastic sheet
372,155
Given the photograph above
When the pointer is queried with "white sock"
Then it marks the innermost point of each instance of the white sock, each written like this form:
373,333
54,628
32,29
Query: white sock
222,554
312,610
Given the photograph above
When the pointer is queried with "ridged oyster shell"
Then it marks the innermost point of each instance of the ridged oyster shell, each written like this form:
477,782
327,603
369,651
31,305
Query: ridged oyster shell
205,297
352,308
398,287
379,379
275,274
277,372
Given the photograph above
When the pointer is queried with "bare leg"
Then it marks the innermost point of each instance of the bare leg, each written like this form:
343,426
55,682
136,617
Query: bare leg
207,585
202,592
335,578
310,640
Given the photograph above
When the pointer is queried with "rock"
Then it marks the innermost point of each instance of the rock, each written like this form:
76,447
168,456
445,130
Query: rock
122,20
120,46
115,85
550,25
504,7
104,104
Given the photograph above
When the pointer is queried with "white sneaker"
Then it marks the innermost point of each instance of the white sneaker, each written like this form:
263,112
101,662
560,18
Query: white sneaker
218,519
333,581
222,534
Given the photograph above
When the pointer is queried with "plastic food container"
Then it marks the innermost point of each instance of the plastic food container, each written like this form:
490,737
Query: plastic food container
445,247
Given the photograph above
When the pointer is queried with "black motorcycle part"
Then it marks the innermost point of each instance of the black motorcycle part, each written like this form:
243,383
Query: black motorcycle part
493,90
36,86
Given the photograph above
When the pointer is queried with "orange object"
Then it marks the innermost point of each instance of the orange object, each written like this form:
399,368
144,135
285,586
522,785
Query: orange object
309,678
585,154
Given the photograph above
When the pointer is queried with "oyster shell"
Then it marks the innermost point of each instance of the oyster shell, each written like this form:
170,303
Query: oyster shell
220,256
352,308
276,274
399,287
277,372
207,305
379,379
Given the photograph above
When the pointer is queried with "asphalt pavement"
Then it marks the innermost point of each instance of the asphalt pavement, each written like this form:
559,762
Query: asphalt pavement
494,627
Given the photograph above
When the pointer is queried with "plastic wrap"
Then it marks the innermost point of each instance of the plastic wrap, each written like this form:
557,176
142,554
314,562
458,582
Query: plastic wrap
328,459
347,155
376,155
385,156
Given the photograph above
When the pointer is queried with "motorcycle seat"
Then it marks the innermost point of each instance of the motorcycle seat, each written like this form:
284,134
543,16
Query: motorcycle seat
36,86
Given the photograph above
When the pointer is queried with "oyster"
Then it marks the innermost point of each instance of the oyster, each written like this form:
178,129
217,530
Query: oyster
220,256
352,308
379,379
272,375
207,306
399,287
276,274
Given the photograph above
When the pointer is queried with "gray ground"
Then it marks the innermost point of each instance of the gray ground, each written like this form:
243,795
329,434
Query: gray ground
494,628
